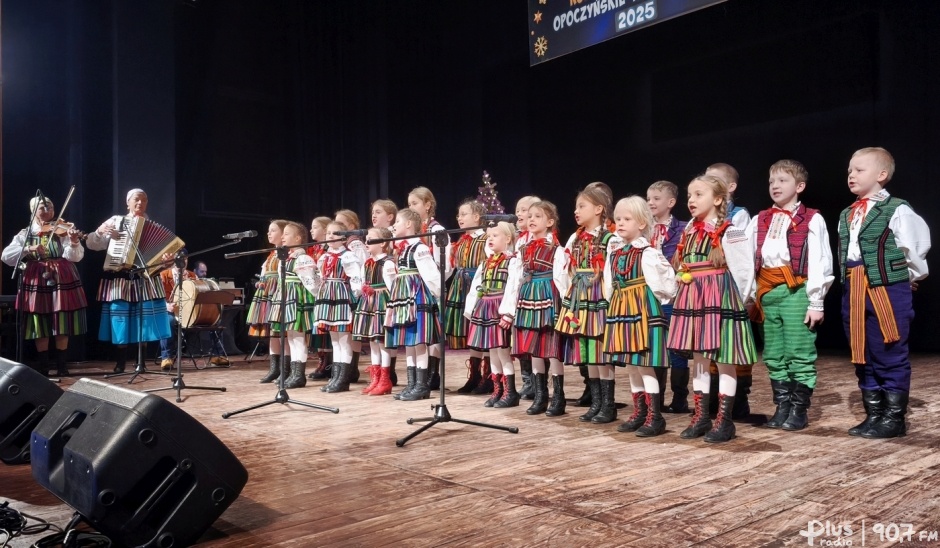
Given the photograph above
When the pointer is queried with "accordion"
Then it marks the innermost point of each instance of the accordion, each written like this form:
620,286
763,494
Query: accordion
144,238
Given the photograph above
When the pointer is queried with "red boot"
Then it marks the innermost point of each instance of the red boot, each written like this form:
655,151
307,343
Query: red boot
384,384
373,378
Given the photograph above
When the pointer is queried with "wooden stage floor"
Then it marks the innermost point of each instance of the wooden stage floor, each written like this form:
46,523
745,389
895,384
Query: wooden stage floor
319,479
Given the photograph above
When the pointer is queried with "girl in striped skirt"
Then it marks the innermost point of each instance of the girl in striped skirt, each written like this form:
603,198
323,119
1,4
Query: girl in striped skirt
491,308
466,254
338,286
50,296
527,392
638,281
539,264
354,243
384,212
257,318
411,317
298,305
713,260
369,318
583,313
319,342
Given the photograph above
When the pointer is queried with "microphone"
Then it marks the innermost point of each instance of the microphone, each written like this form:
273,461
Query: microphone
361,232
499,218
240,235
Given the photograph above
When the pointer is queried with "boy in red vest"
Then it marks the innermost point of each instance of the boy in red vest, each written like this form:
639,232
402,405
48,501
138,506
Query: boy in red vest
883,247
794,271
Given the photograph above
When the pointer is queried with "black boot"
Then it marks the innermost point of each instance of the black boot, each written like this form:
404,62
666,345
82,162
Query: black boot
874,402
655,423
700,424
661,374
486,378
540,401
713,395
742,409
334,376
434,375
391,372
510,397
608,412
61,367
343,375
679,382
558,404
353,366
585,399
42,363
496,381
274,371
298,375
420,390
723,429
892,423
594,386
324,369
473,376
782,390
412,375
527,392
640,410
799,400
120,355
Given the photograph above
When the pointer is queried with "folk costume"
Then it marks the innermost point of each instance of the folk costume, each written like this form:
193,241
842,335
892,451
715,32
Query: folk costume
666,237
466,255
297,312
337,287
369,321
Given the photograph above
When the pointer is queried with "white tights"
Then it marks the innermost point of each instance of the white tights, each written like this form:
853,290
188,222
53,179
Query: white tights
417,356
342,346
501,361
701,379
380,355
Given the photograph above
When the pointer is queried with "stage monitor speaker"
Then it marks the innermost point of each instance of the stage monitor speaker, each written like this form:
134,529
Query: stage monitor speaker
25,398
136,467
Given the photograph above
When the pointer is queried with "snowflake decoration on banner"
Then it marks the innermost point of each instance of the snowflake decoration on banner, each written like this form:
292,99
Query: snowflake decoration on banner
487,196
541,46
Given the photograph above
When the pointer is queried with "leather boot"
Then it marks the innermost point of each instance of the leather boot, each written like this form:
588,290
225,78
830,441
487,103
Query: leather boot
742,409
585,399
497,382
473,376
527,392
799,400
412,379
486,379
61,367
661,374
373,378
594,386
434,374
342,378
557,407
640,410
42,363
891,424
334,376
655,423
874,402
781,392
384,385
421,390
608,411
679,382
700,424
324,368
353,372
540,401
120,355
392,375
723,429
298,375
275,370
713,393
510,397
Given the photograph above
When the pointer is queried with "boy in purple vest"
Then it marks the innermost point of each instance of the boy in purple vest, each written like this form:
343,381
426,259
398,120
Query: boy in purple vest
794,271
883,247
667,231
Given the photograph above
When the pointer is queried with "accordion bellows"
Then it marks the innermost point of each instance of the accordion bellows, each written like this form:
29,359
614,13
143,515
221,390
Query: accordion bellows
144,238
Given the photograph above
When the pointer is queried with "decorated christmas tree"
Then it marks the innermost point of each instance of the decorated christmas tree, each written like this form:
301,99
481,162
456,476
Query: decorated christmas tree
487,196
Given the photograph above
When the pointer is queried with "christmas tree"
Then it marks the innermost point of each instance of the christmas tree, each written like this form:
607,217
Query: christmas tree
487,196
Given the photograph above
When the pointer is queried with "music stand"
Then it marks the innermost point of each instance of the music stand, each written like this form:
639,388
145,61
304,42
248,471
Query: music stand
282,396
441,414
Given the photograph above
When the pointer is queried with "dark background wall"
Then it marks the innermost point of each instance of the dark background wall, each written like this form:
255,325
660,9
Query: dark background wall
231,113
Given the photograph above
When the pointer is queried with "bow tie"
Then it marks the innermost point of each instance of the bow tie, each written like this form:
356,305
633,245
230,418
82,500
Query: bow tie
400,246
858,209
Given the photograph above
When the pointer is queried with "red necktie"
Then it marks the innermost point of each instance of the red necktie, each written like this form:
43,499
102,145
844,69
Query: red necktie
858,209
660,236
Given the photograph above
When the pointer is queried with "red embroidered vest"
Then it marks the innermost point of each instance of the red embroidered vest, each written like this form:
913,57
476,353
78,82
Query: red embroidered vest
796,237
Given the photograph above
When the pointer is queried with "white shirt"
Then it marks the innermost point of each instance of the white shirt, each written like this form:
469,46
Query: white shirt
427,268
507,306
563,282
73,253
659,275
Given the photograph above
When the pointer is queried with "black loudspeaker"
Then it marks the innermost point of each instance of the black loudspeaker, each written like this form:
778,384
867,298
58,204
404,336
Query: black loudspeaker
136,467
25,398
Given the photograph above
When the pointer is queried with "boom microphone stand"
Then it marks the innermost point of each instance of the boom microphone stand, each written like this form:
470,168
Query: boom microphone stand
441,414
281,397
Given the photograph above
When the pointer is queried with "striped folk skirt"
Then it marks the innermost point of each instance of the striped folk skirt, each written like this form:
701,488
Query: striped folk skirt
708,317
636,327
484,332
455,323
533,330
369,318
132,310
411,317
257,318
583,317
298,309
52,299
333,310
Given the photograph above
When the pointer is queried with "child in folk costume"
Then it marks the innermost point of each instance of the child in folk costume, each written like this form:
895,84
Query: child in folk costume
320,341
384,212
491,308
540,263
338,286
466,255
298,303
794,271
369,318
421,200
354,243
527,392
583,313
260,307
713,261
638,280
411,317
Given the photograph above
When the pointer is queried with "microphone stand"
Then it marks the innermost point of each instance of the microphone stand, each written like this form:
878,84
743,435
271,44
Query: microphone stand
179,262
281,397
441,414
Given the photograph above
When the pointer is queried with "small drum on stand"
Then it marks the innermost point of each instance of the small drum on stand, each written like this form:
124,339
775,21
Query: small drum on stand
194,314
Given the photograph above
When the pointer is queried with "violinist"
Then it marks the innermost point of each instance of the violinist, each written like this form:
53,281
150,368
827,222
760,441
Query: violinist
50,293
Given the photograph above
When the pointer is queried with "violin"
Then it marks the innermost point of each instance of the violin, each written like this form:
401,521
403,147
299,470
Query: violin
59,227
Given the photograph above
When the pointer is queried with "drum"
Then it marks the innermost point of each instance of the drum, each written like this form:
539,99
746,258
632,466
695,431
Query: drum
192,314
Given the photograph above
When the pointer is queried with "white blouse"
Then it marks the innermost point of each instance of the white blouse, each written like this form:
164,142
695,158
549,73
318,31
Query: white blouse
659,275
